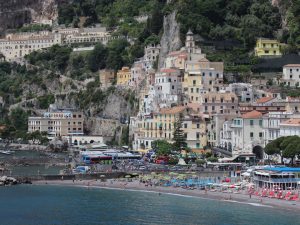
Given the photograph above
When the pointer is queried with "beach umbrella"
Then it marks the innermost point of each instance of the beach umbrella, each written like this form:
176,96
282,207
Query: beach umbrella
102,176
128,176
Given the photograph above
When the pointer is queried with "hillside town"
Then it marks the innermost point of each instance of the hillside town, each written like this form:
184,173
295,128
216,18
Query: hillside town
110,105
234,121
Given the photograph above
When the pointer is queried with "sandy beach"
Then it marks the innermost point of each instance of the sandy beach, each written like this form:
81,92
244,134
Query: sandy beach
135,185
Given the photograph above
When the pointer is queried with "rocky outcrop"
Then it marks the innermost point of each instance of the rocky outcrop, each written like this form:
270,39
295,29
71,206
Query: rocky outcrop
170,40
15,13
8,181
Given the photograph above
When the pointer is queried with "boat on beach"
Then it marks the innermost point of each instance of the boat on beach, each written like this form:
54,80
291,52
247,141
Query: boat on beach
6,152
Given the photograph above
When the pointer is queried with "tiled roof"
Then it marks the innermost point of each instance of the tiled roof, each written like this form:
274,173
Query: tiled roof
264,99
173,110
295,121
292,65
176,53
168,70
252,115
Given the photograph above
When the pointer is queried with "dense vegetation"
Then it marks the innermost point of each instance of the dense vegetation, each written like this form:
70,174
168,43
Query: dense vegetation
286,147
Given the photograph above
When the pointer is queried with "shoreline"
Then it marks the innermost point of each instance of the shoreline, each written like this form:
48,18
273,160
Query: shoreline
208,195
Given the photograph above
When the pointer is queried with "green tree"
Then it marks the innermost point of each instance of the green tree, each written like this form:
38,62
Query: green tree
162,147
275,148
178,135
97,58
291,146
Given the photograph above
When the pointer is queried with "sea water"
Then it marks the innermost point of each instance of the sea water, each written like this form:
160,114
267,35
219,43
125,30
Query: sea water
41,205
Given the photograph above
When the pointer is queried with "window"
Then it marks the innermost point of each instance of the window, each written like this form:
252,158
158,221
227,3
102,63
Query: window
251,122
197,135
260,122
260,134
194,82
185,125
197,145
251,134
198,125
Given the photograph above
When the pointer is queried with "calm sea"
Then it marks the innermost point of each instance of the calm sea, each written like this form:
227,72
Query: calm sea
41,205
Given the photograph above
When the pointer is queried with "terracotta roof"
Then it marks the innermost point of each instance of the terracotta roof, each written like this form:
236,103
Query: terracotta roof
295,121
168,70
292,65
252,115
175,53
173,110
264,99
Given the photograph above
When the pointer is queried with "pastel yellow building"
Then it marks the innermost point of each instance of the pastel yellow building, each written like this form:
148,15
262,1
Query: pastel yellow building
106,78
124,76
267,47
192,86
194,126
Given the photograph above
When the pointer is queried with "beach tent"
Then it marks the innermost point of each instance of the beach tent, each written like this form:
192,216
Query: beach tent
181,162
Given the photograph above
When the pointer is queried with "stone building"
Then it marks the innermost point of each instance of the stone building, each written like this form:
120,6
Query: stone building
124,76
57,123
291,75
107,77
18,45
220,103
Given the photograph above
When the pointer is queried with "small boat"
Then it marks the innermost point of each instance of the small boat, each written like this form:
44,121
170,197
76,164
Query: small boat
6,152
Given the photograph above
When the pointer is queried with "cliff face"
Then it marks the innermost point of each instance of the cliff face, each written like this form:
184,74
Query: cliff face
170,40
14,13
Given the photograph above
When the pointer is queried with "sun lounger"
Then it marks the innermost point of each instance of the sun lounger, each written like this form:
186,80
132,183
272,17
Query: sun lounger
287,196
294,197
271,194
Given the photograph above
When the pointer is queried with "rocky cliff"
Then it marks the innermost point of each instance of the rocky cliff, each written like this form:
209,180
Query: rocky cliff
15,13
170,40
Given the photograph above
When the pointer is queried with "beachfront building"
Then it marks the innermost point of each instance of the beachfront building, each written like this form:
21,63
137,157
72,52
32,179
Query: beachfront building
247,133
124,76
225,142
16,46
107,78
159,125
57,123
290,127
271,125
291,75
267,48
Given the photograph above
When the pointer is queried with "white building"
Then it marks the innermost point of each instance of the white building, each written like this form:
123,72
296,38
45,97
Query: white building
291,75
271,125
247,133
290,127
16,46
243,91
226,137
168,87
151,55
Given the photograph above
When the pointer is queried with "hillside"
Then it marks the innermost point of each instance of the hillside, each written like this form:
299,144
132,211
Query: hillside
60,75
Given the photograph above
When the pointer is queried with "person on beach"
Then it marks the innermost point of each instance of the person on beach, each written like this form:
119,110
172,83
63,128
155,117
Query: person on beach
250,194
